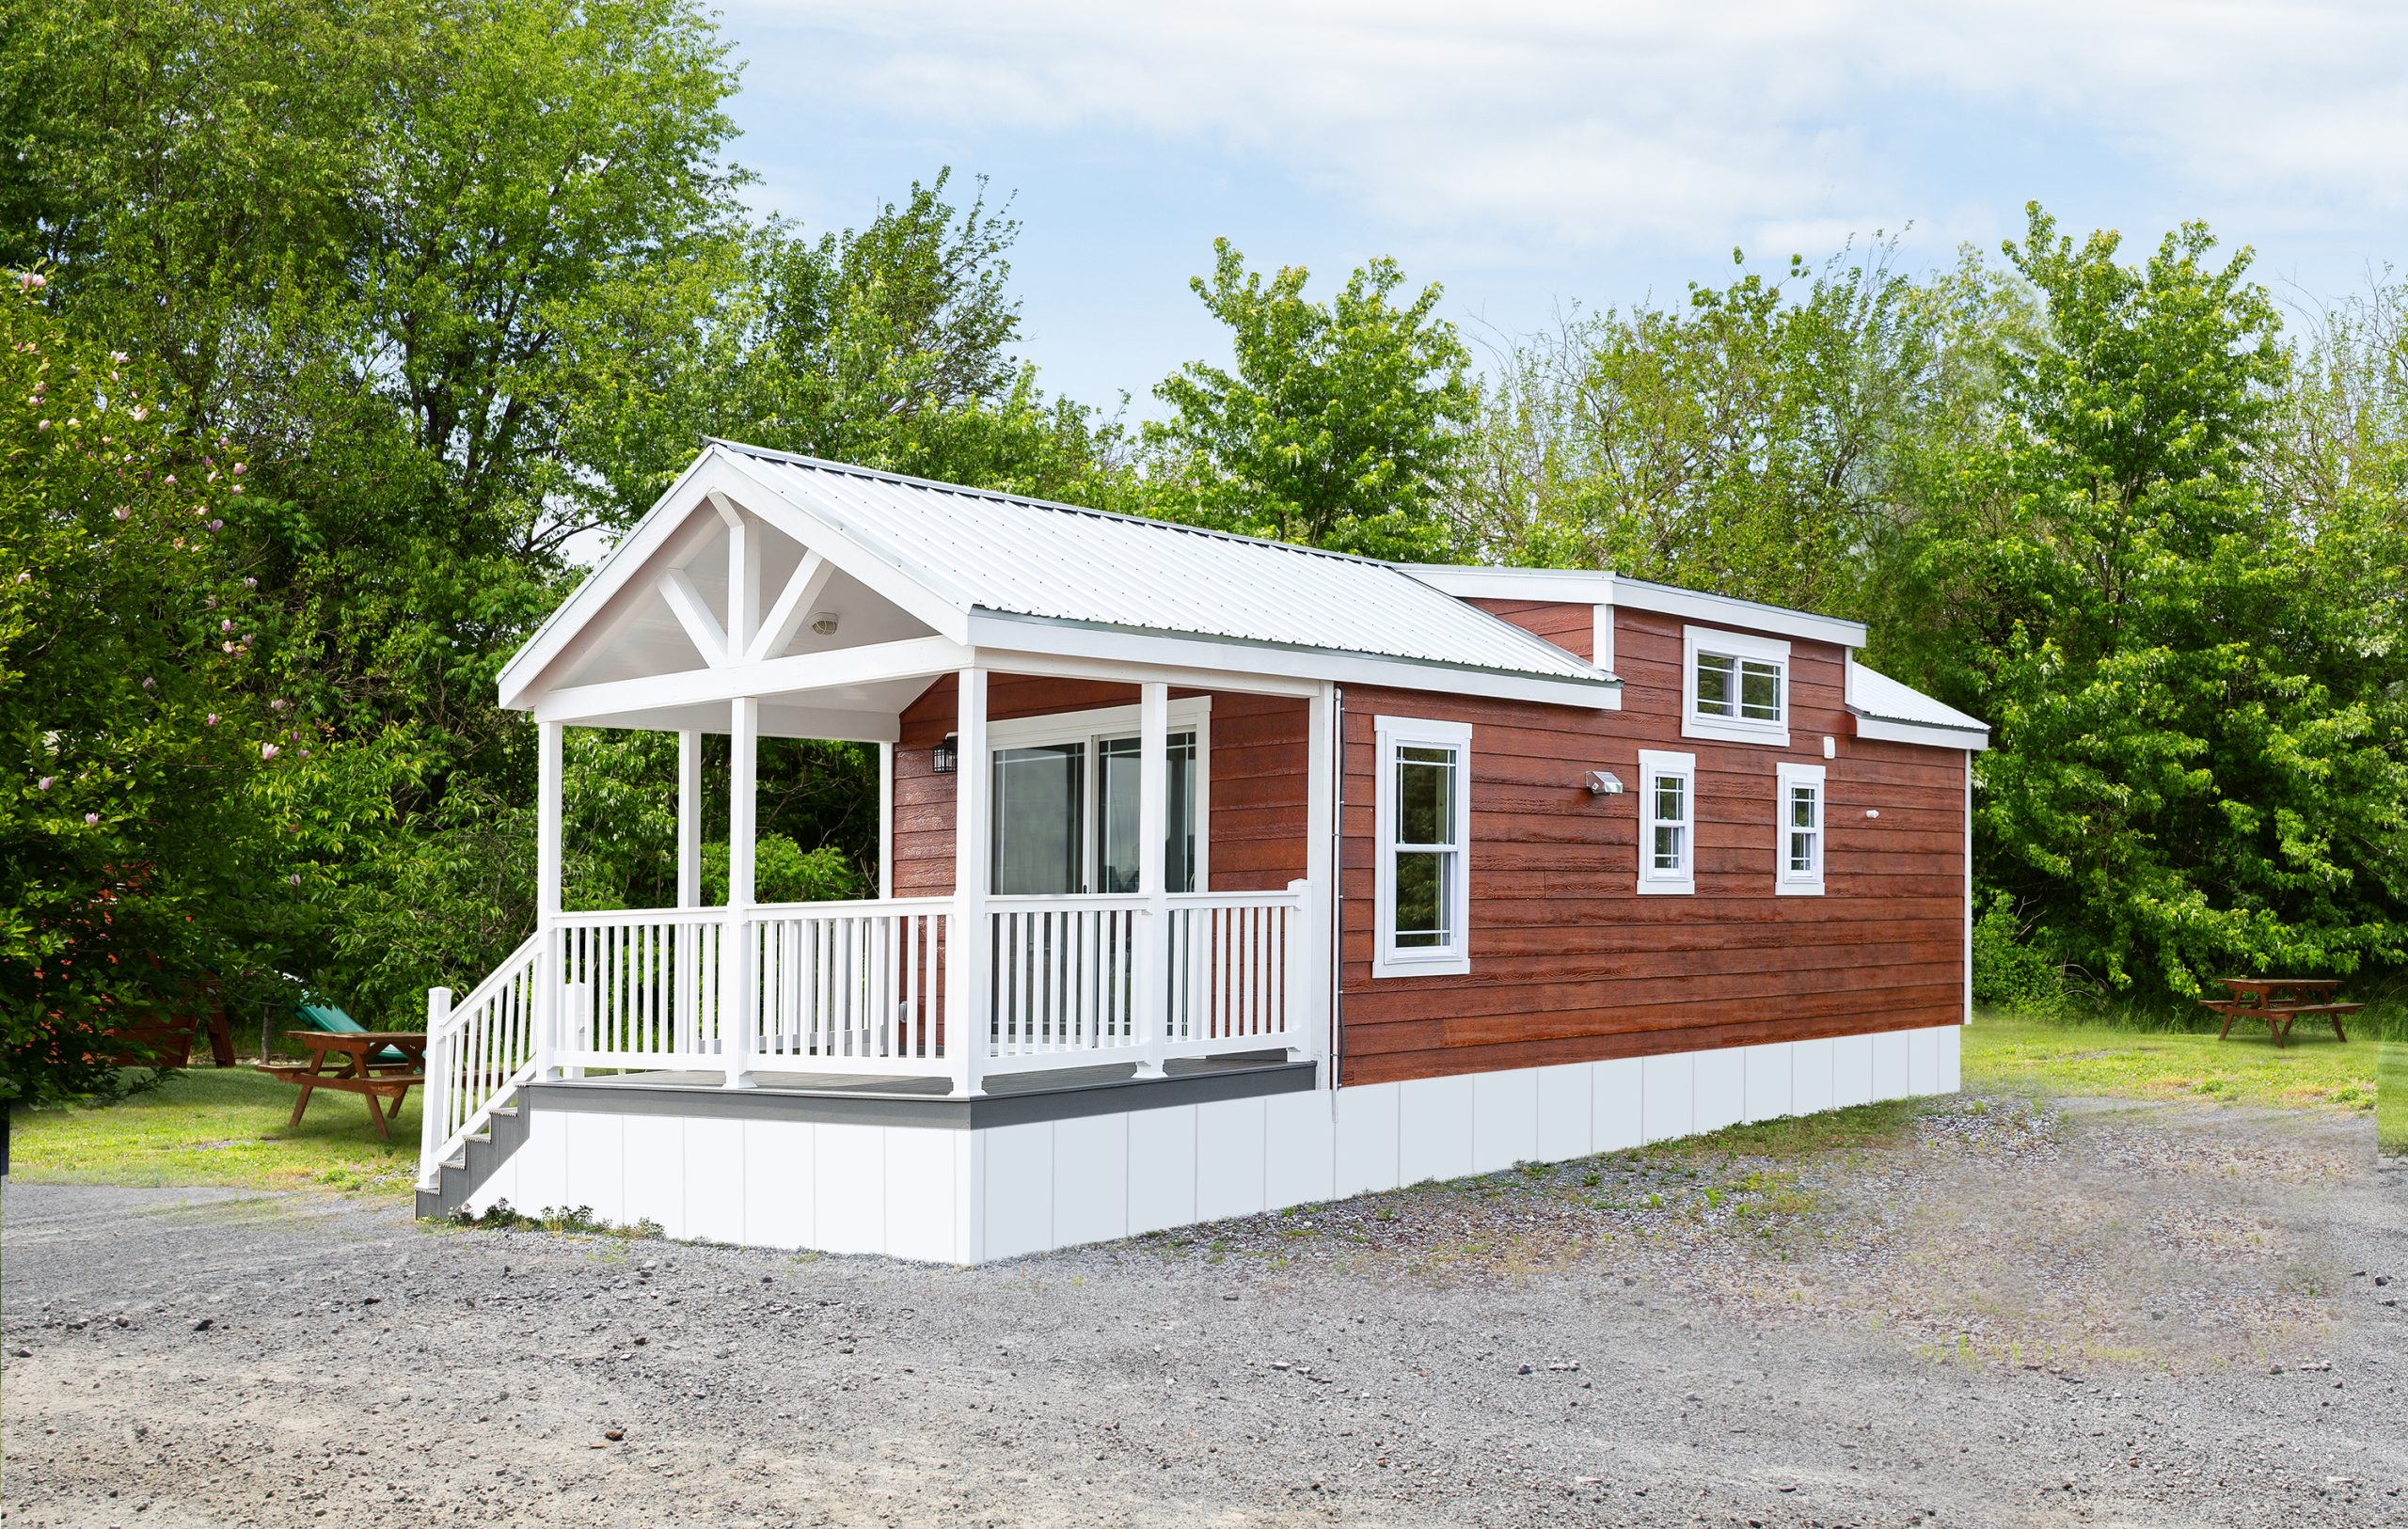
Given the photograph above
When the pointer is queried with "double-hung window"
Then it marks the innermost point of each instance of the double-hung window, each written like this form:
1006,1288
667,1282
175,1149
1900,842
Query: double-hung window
1735,686
1667,822
1798,869
1423,884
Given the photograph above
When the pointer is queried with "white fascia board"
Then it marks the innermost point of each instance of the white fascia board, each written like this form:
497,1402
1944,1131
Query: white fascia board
795,675
1571,587
1228,662
947,614
1887,730
1745,615
568,621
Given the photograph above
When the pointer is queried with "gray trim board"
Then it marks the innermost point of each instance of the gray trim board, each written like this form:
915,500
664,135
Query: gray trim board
1079,1099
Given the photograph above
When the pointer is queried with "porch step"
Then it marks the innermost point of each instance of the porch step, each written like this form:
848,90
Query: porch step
467,1170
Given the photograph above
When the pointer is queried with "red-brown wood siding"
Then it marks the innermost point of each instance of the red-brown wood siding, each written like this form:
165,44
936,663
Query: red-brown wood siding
1569,963
1573,629
1257,815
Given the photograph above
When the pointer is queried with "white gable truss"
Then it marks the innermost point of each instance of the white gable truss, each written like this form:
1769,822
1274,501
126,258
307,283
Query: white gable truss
924,578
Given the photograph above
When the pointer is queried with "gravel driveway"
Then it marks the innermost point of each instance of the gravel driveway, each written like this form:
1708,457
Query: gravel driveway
1983,1315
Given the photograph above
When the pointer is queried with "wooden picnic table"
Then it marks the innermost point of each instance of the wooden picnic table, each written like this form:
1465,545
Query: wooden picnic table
2281,1002
361,1068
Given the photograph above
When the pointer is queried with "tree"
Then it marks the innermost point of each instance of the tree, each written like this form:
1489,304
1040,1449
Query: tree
1760,441
135,826
1337,425
2178,788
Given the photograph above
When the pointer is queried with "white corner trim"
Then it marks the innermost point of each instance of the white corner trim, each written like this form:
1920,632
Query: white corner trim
1786,882
1602,638
1738,645
1388,733
1653,764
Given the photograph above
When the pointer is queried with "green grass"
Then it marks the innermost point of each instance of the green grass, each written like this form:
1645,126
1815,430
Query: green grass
2011,1054
2391,1113
212,1126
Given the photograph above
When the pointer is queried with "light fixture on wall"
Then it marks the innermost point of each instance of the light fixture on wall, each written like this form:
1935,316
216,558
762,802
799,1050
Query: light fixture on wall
824,622
1603,783
946,754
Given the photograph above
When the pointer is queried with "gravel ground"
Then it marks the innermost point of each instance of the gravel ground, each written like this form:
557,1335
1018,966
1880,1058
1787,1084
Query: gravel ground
2083,1313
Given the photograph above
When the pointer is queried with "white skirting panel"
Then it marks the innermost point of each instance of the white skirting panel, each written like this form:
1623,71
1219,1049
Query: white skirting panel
949,1195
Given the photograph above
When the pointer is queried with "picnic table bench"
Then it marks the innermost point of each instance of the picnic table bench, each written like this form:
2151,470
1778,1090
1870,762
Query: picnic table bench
2281,1002
361,1067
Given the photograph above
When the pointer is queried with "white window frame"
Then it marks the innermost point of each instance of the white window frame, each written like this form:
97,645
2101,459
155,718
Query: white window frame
1736,646
1656,764
1787,881
1189,714
1453,959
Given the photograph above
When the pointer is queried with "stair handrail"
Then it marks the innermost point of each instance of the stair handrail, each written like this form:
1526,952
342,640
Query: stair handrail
445,1020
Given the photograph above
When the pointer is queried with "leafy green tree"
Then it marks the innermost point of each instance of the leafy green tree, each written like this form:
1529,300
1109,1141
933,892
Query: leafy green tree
2179,788
1338,424
135,821
1760,441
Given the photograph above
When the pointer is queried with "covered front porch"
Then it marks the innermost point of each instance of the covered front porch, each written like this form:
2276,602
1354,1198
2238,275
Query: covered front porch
1091,872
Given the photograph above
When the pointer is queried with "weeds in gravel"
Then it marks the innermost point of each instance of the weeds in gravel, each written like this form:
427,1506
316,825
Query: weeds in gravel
502,1217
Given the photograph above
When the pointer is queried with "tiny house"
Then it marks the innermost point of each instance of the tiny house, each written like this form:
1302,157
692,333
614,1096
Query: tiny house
1216,875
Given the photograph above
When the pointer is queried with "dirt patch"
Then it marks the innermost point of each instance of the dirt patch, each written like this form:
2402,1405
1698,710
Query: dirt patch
1982,1312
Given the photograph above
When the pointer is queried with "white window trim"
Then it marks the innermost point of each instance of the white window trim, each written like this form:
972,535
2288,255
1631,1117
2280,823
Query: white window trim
1787,882
1389,734
1654,763
1714,640
1192,714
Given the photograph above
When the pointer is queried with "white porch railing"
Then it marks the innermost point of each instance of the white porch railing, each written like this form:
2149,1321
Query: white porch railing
862,987
851,987
1233,972
1064,980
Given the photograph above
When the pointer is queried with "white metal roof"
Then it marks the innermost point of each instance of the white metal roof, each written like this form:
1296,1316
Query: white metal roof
1886,708
986,551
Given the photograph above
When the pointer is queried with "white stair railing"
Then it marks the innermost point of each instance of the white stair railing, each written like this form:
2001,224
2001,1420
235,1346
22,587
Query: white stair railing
478,1053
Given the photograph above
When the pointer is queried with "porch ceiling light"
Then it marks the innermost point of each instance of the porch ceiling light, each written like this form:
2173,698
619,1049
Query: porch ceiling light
824,622
946,753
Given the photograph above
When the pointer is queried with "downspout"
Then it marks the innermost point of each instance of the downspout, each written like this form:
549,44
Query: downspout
1336,886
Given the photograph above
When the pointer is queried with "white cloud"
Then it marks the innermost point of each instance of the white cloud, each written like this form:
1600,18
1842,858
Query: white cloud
1557,128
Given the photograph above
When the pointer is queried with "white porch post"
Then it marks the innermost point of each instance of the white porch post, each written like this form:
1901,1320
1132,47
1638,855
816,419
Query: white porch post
687,944
1314,950
548,897
967,1005
1152,973
735,956
690,818
885,820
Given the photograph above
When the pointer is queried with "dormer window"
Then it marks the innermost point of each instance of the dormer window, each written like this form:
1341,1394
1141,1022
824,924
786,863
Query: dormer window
1737,686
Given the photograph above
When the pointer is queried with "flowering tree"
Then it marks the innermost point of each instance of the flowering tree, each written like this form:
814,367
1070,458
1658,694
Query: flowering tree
131,822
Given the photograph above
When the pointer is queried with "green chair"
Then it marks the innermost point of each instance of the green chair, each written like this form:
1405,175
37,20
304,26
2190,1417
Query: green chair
319,1014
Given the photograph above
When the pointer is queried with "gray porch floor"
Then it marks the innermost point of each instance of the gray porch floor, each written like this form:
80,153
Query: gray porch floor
932,1088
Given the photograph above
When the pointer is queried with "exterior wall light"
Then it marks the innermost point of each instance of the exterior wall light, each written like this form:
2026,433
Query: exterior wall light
948,753
1603,783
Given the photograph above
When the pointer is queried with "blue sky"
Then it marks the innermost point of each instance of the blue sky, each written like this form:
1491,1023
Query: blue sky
1531,157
